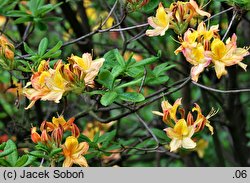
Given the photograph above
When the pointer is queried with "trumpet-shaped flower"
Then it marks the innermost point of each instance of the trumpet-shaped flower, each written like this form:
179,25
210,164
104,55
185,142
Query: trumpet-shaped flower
181,136
228,54
46,85
73,152
60,123
195,48
201,145
181,129
86,67
197,9
169,111
160,22
51,84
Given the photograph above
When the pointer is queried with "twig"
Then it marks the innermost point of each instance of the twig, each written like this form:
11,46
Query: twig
128,28
146,126
110,13
221,91
230,25
224,11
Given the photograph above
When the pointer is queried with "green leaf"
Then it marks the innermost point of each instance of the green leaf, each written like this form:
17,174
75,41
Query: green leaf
131,96
135,72
117,70
131,83
2,145
43,46
22,160
8,149
34,4
28,49
145,62
30,160
91,155
4,162
38,154
13,156
159,69
108,98
83,138
17,13
112,57
54,49
119,58
157,80
23,19
55,151
106,79
96,137
107,137
53,55
160,134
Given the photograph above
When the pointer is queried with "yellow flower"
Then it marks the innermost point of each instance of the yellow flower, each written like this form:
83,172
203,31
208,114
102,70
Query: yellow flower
46,85
2,20
224,55
94,127
60,122
87,67
160,22
195,48
74,151
181,135
198,10
201,120
169,111
200,147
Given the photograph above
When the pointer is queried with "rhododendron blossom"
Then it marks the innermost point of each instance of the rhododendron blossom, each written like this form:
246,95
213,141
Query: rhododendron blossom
51,84
181,128
73,152
160,22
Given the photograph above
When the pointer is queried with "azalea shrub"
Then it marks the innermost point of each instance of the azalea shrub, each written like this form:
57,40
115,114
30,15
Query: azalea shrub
124,83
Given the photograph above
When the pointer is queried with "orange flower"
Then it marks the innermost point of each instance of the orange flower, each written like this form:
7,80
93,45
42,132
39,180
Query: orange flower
74,151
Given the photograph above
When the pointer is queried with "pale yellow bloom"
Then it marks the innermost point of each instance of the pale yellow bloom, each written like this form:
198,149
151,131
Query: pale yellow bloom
73,152
169,111
181,136
195,48
89,68
200,147
48,84
160,22
224,55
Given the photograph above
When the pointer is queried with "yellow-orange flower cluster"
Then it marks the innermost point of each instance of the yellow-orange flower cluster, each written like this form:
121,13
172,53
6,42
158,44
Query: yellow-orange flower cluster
181,130
74,151
177,17
51,84
52,132
203,47
6,53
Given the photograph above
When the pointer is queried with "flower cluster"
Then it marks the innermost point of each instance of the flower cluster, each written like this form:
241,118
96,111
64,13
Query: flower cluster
177,17
7,50
52,132
52,83
203,47
52,136
181,130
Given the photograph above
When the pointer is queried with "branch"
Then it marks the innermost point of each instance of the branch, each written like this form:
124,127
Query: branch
220,91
